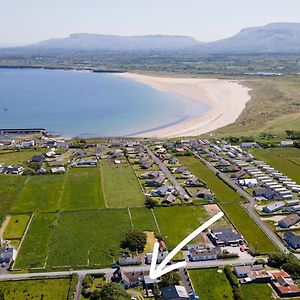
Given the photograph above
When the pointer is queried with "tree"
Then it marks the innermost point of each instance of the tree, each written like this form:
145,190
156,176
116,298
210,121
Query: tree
150,202
171,278
112,291
276,260
135,240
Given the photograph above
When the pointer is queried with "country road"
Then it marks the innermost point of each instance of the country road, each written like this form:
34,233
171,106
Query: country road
168,174
250,206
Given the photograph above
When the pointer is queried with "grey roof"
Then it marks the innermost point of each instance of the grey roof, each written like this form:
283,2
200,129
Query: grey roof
292,239
226,234
126,261
241,270
6,254
289,220
174,292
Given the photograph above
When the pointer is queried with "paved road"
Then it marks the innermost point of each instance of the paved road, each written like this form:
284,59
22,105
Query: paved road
186,281
168,174
78,287
250,207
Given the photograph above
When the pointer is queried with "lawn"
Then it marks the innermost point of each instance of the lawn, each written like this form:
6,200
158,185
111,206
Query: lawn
87,238
16,227
285,160
229,202
211,285
40,194
50,289
142,219
177,222
14,157
34,249
120,185
255,291
82,189
10,187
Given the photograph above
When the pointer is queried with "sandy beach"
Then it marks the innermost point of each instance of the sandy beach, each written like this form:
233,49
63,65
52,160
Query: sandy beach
226,99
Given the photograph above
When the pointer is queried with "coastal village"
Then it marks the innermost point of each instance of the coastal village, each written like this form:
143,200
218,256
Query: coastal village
102,195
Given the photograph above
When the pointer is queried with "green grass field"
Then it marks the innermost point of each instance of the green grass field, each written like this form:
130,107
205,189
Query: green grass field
16,227
229,201
177,222
256,291
87,237
143,219
34,249
40,194
10,187
285,160
82,189
120,185
211,285
13,157
48,289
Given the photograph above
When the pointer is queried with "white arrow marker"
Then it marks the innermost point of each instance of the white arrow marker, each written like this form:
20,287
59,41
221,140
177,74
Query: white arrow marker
162,269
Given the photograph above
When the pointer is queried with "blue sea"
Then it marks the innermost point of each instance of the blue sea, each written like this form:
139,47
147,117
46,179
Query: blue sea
87,104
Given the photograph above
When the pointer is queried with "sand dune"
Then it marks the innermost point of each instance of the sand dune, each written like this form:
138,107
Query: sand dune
226,99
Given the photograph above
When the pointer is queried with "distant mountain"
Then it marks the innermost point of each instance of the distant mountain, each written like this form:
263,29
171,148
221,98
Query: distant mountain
87,41
271,38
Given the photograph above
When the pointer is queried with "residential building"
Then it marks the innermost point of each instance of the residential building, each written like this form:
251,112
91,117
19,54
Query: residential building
284,285
273,207
289,221
226,237
204,254
174,292
206,194
292,239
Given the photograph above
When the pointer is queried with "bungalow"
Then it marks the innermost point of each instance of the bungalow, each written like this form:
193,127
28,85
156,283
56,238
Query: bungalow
193,182
204,254
129,260
231,168
37,158
292,239
169,199
117,153
26,144
206,194
175,292
284,285
162,191
158,181
273,207
249,183
244,271
180,170
153,174
13,170
88,162
173,161
226,237
249,145
289,221
266,193
238,174
129,278
59,170
286,144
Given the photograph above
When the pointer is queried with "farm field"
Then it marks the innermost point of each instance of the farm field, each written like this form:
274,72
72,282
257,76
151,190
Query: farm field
210,285
16,227
177,222
34,249
87,237
50,289
82,189
13,157
142,219
40,194
285,160
255,291
120,185
10,187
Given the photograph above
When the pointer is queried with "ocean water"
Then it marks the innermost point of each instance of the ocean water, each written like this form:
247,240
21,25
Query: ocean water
74,103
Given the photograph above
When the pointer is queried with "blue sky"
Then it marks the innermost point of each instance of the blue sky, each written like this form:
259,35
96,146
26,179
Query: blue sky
26,21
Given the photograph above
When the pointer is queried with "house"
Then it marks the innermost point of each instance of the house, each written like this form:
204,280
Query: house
229,169
13,170
87,162
204,254
129,260
173,161
59,170
162,254
226,237
153,174
129,278
38,158
238,174
175,292
273,207
206,194
169,199
158,181
7,254
249,183
193,182
180,170
117,153
292,239
284,285
286,144
162,191
249,145
289,221
25,144
266,193
244,271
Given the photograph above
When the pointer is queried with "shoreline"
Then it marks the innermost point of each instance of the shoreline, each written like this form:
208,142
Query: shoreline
226,99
